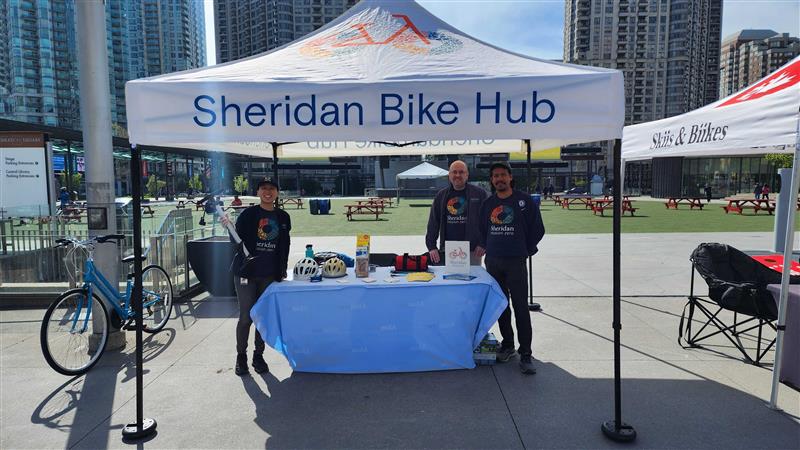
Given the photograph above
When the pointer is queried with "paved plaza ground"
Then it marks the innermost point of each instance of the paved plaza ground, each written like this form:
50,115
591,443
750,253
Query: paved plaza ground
676,398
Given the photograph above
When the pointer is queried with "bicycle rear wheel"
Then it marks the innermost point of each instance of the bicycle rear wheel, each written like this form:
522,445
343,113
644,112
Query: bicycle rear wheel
156,298
74,332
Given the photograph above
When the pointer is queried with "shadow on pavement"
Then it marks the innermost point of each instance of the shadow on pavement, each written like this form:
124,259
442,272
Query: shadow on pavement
91,395
466,409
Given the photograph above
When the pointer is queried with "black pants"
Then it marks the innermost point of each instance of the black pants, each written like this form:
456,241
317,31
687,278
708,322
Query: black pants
248,295
512,276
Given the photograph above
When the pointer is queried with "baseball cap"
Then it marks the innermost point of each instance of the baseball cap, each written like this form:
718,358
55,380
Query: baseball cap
267,181
499,165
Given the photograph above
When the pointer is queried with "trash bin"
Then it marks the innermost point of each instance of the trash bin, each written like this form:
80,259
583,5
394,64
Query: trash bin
313,206
537,199
210,259
324,206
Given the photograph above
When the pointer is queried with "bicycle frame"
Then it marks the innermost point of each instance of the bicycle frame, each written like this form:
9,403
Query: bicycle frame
120,301
93,277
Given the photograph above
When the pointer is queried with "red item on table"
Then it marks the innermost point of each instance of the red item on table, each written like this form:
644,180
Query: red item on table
775,262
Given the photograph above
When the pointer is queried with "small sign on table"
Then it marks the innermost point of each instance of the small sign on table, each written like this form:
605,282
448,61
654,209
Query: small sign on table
456,257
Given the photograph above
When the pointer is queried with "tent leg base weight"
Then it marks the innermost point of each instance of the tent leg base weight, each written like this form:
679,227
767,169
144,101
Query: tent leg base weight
132,433
625,432
534,307
773,407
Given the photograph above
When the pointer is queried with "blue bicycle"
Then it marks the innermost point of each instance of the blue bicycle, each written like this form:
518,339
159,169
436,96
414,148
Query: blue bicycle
75,327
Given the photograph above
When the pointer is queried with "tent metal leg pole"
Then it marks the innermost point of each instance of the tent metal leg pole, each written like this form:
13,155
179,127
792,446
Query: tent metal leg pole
788,243
275,162
532,306
616,429
142,428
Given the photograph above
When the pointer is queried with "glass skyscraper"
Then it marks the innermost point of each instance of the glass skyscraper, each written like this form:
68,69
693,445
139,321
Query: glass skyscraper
39,59
667,49
246,28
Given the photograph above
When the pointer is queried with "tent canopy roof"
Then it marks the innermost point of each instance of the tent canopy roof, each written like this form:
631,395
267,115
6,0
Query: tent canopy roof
762,118
380,40
384,71
425,170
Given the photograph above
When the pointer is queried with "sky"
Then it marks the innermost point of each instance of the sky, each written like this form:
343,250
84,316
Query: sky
535,27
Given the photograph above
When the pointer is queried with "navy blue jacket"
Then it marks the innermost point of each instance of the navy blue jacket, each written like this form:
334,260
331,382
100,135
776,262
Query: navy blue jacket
436,219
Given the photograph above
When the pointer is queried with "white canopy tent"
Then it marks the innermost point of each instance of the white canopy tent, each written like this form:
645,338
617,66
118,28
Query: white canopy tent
759,119
762,118
385,72
424,171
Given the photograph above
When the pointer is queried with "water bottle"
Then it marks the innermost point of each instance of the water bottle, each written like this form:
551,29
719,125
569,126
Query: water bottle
309,251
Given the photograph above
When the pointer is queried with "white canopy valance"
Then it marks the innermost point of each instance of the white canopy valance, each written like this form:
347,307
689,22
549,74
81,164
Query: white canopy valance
384,71
759,119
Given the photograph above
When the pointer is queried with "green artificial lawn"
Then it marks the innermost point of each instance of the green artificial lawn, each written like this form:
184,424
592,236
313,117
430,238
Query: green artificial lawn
411,218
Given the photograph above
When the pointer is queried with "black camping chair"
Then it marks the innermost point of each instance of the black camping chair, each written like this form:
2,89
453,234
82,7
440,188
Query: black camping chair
737,283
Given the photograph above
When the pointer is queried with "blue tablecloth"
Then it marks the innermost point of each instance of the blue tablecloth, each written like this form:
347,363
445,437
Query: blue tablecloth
358,327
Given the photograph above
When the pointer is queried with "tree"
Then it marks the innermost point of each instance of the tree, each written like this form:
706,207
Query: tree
75,181
119,131
241,184
154,186
196,183
780,159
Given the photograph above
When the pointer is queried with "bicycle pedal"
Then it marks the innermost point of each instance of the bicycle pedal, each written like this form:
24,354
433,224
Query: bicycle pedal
129,326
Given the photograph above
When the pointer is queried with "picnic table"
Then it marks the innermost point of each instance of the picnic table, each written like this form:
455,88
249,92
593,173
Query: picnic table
148,211
585,200
556,198
73,212
739,204
383,200
600,205
237,208
296,201
611,197
693,202
772,203
364,209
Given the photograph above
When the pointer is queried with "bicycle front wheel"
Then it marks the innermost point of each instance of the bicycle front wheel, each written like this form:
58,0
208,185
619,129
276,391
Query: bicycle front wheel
74,332
156,298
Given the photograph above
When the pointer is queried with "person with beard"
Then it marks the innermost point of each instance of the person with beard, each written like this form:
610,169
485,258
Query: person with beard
264,230
510,229
454,214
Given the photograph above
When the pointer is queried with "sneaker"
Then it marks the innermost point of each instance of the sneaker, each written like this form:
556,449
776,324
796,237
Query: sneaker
505,353
241,365
259,365
526,365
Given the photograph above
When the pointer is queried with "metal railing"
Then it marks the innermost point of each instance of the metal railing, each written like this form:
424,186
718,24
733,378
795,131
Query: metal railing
30,262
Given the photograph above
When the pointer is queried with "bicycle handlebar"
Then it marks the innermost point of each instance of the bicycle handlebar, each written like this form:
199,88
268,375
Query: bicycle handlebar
64,242
110,237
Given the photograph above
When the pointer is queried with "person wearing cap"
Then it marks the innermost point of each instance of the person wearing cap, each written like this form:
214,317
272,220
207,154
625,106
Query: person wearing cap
454,214
264,230
510,229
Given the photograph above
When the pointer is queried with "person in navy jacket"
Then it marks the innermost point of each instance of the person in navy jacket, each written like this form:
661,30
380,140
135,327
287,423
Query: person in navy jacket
510,229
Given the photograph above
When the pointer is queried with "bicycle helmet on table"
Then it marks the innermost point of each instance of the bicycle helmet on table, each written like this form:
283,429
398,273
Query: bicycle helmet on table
305,269
334,268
